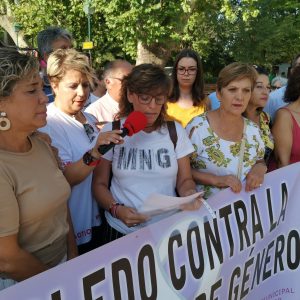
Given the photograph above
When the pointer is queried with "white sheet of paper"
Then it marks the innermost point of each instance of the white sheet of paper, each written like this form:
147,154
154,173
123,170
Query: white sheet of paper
156,203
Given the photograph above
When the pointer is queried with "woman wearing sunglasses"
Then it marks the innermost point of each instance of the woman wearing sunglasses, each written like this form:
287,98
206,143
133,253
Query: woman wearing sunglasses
187,99
77,138
148,162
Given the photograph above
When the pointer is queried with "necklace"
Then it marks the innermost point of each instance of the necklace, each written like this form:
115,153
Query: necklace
79,117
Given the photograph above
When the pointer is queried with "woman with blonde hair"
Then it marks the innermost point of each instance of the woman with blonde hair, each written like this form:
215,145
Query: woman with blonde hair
75,134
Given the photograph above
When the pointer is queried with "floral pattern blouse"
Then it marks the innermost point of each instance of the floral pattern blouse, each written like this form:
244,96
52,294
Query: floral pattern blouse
265,131
221,157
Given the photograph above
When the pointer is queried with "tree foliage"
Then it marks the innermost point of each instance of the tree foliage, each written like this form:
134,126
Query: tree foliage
257,31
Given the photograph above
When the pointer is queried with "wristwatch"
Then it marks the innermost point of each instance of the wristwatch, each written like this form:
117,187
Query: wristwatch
90,160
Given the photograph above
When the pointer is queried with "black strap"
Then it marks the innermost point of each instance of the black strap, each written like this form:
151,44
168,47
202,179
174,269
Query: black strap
172,132
171,128
116,124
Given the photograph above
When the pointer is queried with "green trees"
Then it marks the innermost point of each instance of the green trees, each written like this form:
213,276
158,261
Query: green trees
257,31
145,30
270,37
8,23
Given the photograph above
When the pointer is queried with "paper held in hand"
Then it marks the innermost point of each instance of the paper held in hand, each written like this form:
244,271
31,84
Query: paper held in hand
157,204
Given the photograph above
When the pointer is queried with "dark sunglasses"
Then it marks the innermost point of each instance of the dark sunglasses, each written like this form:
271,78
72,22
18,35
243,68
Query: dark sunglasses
275,87
89,130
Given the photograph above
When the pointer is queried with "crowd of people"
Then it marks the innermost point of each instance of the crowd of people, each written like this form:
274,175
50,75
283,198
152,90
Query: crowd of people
61,197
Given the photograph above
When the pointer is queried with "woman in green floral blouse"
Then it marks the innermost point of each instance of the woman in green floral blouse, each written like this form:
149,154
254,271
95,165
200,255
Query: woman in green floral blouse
255,113
228,147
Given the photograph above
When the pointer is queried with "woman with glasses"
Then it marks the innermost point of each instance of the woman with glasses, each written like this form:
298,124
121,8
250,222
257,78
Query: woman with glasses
254,110
286,128
77,138
148,162
229,148
187,98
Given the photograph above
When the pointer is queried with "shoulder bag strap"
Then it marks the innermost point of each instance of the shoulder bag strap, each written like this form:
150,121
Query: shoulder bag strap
116,124
172,132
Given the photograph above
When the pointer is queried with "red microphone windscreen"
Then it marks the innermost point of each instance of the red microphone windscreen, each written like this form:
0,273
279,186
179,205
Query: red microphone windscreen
135,122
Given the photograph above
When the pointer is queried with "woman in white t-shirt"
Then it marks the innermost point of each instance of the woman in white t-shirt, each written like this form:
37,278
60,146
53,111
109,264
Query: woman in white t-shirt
77,139
228,147
148,162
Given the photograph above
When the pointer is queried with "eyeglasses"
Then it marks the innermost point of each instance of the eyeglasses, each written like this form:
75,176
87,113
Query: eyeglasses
262,87
89,130
183,70
146,99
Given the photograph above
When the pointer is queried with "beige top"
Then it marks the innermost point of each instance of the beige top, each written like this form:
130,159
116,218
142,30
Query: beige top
33,202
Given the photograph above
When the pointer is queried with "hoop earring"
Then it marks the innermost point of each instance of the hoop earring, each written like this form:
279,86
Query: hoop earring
4,121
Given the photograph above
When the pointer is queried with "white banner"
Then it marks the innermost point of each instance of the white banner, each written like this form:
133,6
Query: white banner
250,250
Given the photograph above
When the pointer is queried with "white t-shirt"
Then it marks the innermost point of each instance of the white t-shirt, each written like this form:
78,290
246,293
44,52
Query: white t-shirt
146,163
104,109
221,157
70,138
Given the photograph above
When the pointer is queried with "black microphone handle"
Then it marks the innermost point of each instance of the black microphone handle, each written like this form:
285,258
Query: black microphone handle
105,148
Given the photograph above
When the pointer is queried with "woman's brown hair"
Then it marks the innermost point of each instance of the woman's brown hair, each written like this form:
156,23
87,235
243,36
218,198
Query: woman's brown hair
144,79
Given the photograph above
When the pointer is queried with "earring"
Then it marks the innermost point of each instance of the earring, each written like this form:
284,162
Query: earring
4,121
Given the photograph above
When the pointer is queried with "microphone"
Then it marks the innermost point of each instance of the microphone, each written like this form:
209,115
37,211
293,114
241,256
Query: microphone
135,122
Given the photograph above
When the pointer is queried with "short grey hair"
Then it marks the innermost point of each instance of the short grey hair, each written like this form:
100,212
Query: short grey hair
282,80
14,67
45,38
112,66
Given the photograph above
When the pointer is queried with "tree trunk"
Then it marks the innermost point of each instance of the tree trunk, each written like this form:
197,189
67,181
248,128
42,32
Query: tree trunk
8,25
155,54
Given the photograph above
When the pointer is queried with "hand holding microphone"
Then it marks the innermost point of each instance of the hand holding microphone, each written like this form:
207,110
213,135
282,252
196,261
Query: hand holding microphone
135,122
106,138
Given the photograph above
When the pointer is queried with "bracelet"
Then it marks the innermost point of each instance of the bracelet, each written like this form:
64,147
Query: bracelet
90,160
263,164
113,209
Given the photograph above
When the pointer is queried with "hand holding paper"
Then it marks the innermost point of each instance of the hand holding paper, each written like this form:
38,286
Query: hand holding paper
156,203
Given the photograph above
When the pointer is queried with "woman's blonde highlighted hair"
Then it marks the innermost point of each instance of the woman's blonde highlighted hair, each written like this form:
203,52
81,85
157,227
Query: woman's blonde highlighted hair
63,60
15,66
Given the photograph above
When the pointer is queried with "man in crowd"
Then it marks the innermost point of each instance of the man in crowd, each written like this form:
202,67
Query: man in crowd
105,108
276,97
48,40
